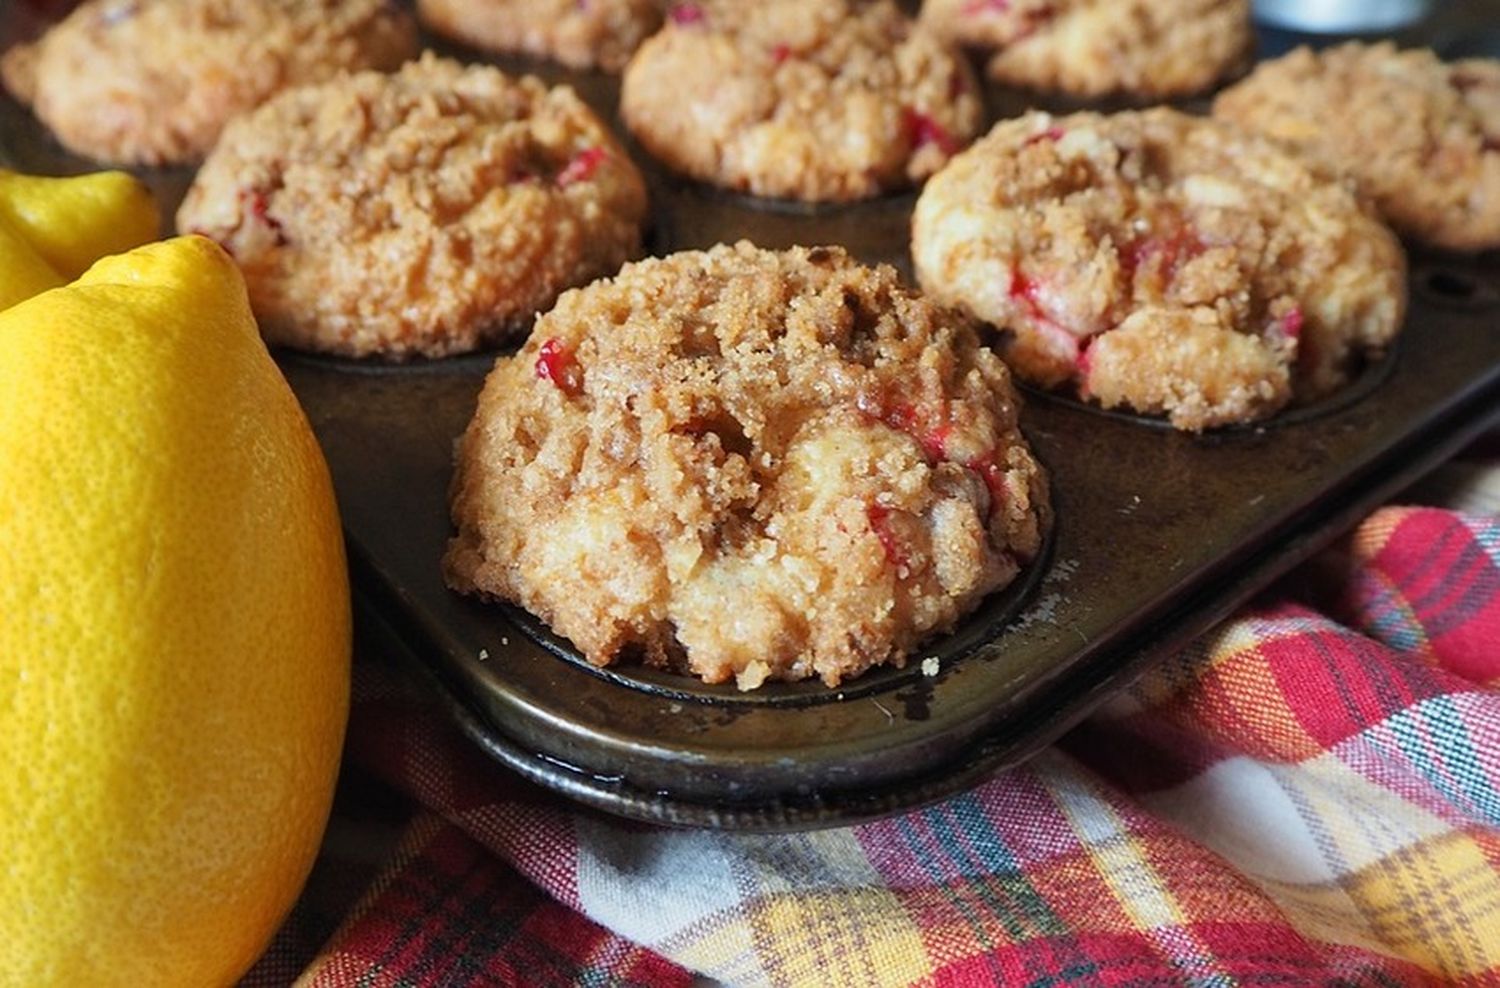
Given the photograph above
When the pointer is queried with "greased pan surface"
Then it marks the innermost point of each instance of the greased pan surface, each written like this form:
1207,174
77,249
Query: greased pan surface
1158,535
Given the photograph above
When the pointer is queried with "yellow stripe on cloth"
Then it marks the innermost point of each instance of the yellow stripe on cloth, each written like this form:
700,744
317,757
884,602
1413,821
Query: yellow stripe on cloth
839,937
1138,886
718,944
1325,913
1436,903
1221,684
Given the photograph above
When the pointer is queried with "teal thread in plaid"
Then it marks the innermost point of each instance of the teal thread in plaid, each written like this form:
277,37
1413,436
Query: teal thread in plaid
906,826
1436,744
1393,620
970,841
965,831
1486,533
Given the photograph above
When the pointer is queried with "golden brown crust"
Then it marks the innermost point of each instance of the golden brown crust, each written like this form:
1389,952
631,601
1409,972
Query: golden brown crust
1143,48
1421,137
18,72
154,81
805,99
427,212
749,465
1162,262
596,34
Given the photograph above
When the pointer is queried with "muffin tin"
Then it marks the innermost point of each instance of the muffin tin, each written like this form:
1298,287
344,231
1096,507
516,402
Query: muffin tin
1158,536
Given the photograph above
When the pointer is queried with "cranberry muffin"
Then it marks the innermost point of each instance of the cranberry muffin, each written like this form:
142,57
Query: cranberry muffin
747,465
1160,262
424,213
153,82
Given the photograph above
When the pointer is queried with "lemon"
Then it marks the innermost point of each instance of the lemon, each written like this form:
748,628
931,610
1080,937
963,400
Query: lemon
174,629
74,221
23,272
52,229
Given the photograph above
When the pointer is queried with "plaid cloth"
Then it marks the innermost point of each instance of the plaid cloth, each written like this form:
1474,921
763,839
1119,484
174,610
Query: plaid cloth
1309,795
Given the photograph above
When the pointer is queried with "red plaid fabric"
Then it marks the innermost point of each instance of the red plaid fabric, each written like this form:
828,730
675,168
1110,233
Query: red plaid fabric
1309,795
448,912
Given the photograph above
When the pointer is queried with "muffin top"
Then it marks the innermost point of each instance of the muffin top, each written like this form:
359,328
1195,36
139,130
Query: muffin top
581,35
154,81
1421,137
747,465
1169,263
815,100
1145,49
426,212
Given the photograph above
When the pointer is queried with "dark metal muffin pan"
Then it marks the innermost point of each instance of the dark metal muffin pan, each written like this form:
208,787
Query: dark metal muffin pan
1158,536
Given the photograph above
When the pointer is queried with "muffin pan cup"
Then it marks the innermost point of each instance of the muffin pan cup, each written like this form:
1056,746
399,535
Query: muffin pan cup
1158,536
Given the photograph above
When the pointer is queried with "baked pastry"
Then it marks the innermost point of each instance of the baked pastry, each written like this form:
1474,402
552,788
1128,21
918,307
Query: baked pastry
747,465
427,212
154,81
1421,137
818,100
1161,262
581,34
1148,49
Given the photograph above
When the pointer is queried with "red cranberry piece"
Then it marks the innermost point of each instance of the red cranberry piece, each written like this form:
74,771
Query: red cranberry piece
901,416
1023,287
1050,134
259,207
1291,323
935,441
582,167
1027,294
904,417
555,362
1174,249
1085,360
924,130
880,524
688,13
781,53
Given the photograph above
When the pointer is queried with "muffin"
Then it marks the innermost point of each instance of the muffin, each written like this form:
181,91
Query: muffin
815,100
1164,263
747,465
1140,49
1419,136
153,82
428,212
598,34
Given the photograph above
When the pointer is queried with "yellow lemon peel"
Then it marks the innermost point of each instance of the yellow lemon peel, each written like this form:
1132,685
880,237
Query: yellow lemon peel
176,634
